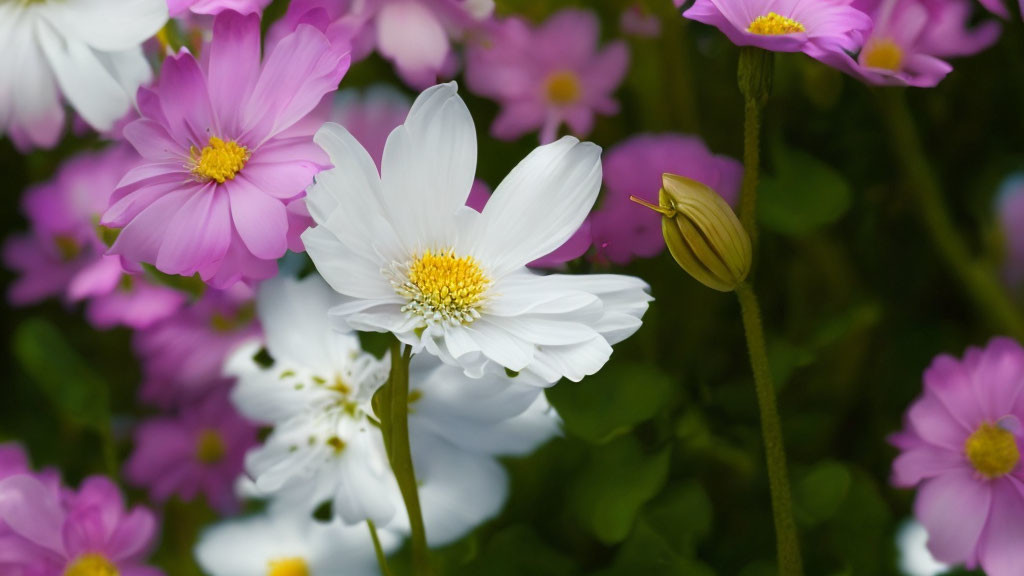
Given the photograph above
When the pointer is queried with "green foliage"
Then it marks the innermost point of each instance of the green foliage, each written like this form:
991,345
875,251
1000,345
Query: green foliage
804,195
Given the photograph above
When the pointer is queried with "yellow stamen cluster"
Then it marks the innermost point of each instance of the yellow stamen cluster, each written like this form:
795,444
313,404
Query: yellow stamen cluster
210,448
287,567
882,53
992,451
219,160
67,246
563,88
772,24
91,565
442,287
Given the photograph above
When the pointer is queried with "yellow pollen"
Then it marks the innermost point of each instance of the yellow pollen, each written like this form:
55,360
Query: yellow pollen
339,386
442,287
67,246
882,53
287,567
91,565
210,448
992,451
773,24
563,88
219,160
337,443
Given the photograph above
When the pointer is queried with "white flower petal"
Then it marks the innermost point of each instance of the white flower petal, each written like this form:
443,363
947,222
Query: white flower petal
104,25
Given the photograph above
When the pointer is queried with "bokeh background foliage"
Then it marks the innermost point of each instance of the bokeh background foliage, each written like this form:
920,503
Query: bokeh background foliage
661,469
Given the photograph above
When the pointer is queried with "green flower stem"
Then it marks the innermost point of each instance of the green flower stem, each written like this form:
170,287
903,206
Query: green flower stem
979,280
394,415
382,560
755,72
786,539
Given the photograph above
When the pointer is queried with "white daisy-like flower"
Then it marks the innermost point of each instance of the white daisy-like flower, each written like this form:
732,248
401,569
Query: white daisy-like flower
326,445
88,50
289,545
416,262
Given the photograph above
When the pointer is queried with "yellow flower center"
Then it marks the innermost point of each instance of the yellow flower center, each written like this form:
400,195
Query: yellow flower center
992,450
219,160
67,246
287,567
442,287
210,448
882,53
772,24
563,88
91,565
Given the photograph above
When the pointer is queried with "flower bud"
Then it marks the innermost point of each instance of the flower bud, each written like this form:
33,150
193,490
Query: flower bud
703,233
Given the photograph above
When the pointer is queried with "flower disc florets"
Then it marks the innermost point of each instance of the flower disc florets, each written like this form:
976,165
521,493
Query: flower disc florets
442,287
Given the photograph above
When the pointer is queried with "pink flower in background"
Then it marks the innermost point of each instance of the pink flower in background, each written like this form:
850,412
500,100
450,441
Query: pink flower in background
575,247
182,357
1010,210
371,115
68,533
961,448
622,230
636,20
200,450
549,75
178,7
818,29
909,38
414,35
63,255
998,7
228,152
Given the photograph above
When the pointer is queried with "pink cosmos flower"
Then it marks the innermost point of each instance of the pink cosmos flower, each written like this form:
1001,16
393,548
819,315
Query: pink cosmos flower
182,357
818,28
199,450
228,152
636,20
65,533
414,35
63,255
1010,210
909,38
998,7
178,7
961,447
575,247
621,230
548,75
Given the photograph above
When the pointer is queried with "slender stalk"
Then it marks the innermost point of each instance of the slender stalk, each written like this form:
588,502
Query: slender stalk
786,539
395,427
979,281
382,560
755,74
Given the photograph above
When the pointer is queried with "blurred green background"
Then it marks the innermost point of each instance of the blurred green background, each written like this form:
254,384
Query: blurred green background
661,468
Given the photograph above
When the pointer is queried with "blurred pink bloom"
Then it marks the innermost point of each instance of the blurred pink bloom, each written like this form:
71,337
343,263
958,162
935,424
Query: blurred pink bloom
961,447
63,255
370,116
1010,209
909,38
548,75
818,29
414,35
178,7
200,450
623,230
183,356
62,533
998,7
228,152
575,247
637,20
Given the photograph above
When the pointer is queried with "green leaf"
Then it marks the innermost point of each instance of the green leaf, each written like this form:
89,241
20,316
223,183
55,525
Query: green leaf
821,492
518,550
682,516
647,552
619,479
80,395
612,402
803,195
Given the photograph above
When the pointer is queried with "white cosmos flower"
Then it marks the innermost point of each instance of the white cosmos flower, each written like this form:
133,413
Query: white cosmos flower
415,261
88,50
289,545
326,444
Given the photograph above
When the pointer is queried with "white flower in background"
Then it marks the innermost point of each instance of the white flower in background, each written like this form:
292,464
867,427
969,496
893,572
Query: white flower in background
88,50
915,558
289,545
326,444
415,261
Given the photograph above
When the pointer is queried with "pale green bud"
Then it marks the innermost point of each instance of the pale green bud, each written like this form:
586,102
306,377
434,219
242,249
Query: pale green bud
703,233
